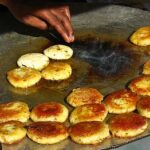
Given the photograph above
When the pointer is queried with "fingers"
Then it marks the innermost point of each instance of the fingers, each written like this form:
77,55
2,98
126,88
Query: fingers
58,18
66,23
66,11
35,22
53,21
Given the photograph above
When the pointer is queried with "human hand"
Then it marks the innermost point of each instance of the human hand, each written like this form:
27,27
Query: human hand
43,15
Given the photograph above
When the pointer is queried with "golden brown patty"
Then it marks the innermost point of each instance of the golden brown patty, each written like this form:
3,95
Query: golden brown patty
88,112
18,111
89,132
47,132
11,132
127,125
50,111
81,96
23,77
143,107
146,68
121,101
141,37
141,85
57,71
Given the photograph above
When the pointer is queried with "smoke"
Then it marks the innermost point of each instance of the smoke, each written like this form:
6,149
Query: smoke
105,58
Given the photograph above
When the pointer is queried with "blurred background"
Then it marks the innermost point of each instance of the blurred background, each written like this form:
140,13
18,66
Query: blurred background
142,4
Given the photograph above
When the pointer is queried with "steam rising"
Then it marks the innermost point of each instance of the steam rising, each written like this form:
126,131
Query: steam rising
105,58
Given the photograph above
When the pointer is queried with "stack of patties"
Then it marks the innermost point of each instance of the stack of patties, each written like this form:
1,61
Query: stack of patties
87,117
29,72
13,118
48,126
58,70
34,66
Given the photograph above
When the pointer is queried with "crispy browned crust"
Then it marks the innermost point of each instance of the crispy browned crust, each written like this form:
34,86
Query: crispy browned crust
16,77
93,110
141,90
141,36
23,77
30,73
47,109
16,123
57,71
85,96
84,129
127,95
144,103
128,121
47,129
7,113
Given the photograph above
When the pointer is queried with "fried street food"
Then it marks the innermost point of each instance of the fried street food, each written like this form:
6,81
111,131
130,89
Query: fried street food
57,71
12,132
121,101
141,37
23,77
141,85
17,111
89,132
59,52
50,111
47,132
36,61
88,112
143,107
81,96
127,125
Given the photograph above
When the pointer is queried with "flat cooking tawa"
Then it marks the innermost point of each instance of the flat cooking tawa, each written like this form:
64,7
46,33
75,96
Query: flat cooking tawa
103,59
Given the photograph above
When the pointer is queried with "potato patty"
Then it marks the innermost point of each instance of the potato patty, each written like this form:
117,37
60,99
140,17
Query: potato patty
88,112
89,132
121,101
127,125
47,132
50,111
81,96
17,110
141,85
23,77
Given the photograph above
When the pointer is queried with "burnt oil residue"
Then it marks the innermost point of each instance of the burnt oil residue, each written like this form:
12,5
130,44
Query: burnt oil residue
101,63
106,58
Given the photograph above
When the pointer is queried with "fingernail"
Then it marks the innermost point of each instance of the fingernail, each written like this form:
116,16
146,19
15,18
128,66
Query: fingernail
71,37
67,39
